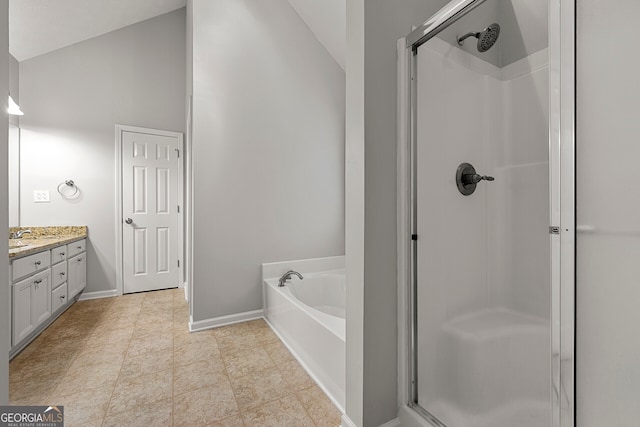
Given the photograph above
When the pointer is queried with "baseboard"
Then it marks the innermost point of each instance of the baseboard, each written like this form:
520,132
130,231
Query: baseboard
201,325
393,423
98,294
346,422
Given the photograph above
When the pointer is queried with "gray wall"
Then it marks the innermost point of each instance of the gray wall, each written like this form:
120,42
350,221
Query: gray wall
608,271
72,98
14,87
5,295
268,149
373,27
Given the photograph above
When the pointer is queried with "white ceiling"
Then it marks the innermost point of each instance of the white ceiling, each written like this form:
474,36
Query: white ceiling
40,26
327,19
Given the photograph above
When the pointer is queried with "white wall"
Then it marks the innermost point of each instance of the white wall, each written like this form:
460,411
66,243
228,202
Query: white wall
5,295
72,98
268,149
608,271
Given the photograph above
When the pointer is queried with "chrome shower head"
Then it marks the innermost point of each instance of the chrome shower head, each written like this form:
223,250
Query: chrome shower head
486,38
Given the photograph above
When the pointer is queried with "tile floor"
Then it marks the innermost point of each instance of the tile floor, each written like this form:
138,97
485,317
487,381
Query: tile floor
131,361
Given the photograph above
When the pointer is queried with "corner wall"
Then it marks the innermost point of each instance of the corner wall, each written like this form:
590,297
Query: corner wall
607,205
72,99
373,28
5,294
268,150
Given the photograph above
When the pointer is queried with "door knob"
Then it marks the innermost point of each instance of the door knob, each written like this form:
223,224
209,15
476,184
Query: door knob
128,220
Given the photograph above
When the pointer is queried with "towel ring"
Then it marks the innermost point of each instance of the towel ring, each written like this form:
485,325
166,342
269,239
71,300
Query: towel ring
68,194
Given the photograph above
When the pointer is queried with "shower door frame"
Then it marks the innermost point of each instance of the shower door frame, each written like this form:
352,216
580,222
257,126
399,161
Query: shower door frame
562,209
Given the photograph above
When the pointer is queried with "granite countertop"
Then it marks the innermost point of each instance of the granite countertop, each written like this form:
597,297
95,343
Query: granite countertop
43,238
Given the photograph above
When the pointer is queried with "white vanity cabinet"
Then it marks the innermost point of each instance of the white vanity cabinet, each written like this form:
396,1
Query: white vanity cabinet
59,275
77,268
43,285
31,303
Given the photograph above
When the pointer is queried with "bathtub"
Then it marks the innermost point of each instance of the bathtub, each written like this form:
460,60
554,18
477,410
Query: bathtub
309,317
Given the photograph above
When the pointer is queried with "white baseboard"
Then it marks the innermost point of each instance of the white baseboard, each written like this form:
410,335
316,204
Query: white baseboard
201,325
346,421
393,423
99,294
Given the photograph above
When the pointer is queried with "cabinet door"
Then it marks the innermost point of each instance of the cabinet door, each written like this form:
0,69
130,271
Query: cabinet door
40,298
77,272
22,324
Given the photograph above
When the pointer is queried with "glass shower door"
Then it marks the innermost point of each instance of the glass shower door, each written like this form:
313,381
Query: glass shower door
481,203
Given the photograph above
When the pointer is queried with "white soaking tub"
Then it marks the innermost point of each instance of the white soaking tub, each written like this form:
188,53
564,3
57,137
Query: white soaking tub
309,316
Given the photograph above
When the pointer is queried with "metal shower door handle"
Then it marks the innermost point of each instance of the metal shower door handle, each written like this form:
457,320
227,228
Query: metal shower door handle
128,220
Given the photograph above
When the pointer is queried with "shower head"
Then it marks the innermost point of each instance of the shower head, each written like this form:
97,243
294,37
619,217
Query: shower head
486,38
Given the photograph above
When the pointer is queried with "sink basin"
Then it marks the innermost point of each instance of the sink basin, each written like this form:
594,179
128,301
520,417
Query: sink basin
16,244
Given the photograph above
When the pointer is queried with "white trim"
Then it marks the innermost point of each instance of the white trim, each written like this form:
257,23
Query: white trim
118,202
186,291
98,294
393,423
403,220
346,421
216,322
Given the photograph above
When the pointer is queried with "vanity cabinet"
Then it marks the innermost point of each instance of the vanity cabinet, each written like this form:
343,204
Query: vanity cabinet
31,304
77,274
43,284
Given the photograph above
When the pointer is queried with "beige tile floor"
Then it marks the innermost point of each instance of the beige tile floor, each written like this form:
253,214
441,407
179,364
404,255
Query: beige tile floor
131,361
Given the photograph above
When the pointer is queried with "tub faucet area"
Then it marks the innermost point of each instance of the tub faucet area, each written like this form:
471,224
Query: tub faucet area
286,276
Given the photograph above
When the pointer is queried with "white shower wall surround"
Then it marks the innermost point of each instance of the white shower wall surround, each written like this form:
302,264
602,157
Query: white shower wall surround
495,306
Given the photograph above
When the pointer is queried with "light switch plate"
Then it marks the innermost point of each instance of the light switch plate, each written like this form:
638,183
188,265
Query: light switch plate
41,196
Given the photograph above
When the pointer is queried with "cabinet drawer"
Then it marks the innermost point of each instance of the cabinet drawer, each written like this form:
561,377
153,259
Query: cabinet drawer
58,254
30,264
76,247
58,274
59,297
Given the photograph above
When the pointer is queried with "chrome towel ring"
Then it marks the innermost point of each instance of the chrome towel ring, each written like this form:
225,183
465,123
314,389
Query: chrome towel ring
68,190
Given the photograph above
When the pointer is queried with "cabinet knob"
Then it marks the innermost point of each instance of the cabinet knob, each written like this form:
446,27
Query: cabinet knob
37,282
38,263
62,253
62,273
78,247
79,259
62,297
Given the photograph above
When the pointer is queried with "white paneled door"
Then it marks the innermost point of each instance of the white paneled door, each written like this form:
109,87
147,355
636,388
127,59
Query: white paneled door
150,211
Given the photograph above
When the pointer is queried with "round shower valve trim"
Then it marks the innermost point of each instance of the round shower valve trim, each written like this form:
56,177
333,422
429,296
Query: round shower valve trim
467,179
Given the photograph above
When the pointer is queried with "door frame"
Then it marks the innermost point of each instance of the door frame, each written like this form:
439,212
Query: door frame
120,129
562,108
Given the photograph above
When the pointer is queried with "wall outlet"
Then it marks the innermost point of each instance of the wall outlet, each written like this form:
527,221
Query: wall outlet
41,196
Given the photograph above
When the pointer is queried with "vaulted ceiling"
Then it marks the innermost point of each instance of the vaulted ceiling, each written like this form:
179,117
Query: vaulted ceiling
328,21
40,26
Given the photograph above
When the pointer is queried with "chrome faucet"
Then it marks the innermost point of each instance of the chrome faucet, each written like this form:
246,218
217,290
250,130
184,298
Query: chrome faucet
286,276
18,234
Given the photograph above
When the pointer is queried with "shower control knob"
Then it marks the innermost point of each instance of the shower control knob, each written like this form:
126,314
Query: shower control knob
128,220
475,178
467,179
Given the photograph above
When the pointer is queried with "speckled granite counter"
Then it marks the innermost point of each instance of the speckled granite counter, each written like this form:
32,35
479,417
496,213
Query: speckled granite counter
43,238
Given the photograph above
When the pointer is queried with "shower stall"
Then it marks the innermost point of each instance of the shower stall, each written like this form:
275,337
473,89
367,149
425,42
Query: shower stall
486,206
